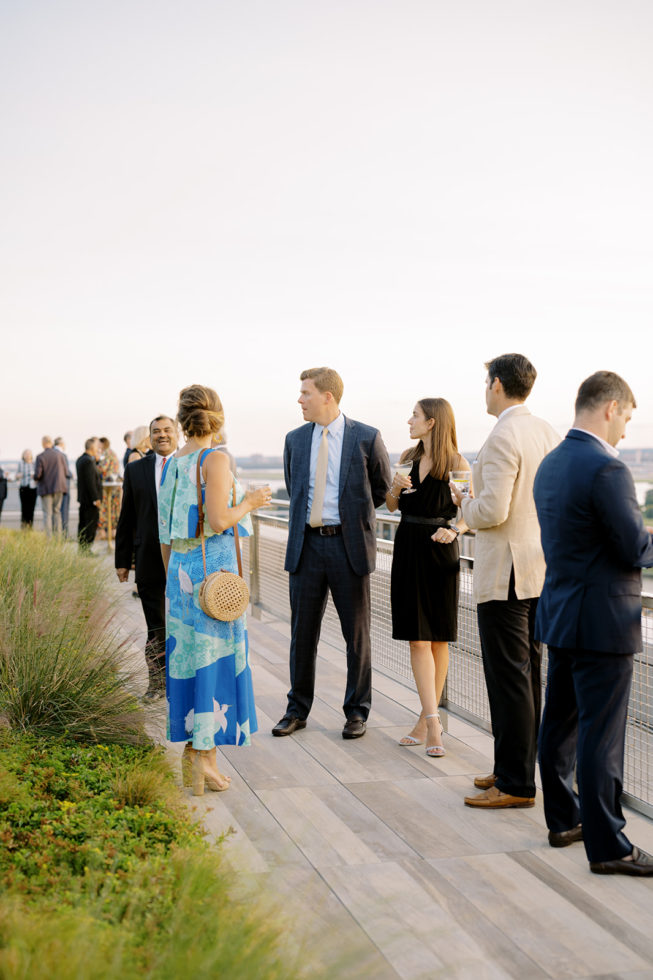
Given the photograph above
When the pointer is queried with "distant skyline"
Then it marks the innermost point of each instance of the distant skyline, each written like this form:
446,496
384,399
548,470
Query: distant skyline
229,193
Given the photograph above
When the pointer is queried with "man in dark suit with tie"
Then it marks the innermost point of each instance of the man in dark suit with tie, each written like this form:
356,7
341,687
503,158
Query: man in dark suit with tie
589,614
137,534
337,471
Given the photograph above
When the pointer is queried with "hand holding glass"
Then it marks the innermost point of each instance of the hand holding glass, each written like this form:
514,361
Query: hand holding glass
403,469
262,489
462,480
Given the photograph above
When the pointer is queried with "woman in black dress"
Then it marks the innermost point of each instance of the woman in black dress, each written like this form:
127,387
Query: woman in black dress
425,563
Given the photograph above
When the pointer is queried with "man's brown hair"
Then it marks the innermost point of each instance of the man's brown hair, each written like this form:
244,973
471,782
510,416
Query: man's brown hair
602,387
325,379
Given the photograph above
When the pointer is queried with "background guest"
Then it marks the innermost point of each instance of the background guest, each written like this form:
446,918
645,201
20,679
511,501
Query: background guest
109,469
60,446
128,443
3,489
50,473
140,443
27,488
89,494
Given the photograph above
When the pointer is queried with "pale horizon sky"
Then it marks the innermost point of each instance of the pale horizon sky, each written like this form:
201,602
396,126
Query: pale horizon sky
229,193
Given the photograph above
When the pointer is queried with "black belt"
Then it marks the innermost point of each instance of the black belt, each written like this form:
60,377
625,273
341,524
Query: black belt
326,530
431,521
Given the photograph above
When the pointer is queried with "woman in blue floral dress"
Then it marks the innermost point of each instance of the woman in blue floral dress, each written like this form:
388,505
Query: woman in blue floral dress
208,677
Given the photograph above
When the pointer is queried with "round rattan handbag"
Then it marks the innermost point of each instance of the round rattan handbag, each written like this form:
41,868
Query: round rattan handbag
222,595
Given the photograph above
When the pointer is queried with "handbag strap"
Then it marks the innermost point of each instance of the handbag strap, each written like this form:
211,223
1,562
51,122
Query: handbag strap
200,515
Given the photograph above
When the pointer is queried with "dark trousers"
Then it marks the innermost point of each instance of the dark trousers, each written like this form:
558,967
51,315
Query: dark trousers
584,728
152,598
511,660
27,505
89,516
65,510
324,567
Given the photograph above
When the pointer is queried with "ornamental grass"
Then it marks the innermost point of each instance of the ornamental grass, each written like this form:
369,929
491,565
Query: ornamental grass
64,667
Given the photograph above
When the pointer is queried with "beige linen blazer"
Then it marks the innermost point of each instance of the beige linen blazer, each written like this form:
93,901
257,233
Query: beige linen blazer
503,510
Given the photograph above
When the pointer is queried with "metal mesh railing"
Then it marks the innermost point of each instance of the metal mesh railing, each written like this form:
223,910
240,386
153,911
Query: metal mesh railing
465,693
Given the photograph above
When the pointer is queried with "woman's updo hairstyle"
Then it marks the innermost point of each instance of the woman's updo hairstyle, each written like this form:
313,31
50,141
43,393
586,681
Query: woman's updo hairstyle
200,411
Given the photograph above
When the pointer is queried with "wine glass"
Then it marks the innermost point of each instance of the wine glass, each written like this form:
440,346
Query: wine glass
462,480
404,470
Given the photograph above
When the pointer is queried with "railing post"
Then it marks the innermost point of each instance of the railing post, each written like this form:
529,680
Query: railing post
254,569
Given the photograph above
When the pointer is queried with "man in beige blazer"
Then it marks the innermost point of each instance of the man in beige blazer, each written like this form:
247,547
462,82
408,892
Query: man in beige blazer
508,578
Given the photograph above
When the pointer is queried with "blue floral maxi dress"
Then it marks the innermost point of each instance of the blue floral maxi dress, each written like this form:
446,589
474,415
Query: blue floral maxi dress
208,677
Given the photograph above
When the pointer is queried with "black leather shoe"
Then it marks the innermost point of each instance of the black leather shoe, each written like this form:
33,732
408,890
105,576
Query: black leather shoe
564,838
288,725
639,863
354,728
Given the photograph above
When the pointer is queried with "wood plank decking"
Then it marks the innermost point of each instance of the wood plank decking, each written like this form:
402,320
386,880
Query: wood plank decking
382,872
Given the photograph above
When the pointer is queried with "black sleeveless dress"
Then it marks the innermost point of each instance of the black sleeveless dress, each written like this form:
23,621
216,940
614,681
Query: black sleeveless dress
424,578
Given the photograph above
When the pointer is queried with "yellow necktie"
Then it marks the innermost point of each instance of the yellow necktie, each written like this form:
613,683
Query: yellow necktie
320,480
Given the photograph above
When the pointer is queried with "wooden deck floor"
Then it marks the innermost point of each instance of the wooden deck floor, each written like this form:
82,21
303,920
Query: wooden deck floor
379,868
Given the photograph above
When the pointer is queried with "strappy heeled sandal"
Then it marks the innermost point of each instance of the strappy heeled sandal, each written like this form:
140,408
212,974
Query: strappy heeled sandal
436,751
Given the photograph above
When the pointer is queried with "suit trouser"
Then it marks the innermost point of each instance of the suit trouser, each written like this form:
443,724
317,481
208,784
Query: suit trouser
324,567
51,503
89,516
27,505
511,661
152,598
584,728
65,510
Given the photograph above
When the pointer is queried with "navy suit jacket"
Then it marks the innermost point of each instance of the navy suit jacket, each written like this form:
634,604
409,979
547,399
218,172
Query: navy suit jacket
364,482
138,525
595,544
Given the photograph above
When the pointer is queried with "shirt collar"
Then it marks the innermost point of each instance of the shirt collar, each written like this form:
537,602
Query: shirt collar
606,445
335,427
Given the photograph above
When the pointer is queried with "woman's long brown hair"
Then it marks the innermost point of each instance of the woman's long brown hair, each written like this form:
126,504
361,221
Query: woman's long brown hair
441,440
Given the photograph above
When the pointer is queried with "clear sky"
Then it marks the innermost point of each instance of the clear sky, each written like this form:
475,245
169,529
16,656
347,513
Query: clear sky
401,189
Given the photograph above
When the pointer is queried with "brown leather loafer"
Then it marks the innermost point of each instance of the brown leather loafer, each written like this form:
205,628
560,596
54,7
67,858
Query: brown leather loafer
563,838
494,799
354,728
638,863
288,725
485,782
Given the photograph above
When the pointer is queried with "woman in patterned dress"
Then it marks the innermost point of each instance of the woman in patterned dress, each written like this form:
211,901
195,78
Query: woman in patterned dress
109,468
208,678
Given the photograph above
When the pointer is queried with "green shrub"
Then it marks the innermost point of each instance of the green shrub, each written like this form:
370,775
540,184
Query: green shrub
63,661
94,886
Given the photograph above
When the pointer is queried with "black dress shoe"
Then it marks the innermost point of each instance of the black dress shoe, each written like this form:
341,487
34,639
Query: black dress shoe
564,838
288,725
354,728
639,863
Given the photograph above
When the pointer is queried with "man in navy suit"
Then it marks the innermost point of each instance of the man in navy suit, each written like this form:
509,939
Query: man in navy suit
337,471
589,614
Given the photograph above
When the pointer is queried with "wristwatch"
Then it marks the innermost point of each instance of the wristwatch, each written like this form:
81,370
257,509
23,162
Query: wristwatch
454,527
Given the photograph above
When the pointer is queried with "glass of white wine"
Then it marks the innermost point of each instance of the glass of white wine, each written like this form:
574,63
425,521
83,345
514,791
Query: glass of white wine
404,470
462,479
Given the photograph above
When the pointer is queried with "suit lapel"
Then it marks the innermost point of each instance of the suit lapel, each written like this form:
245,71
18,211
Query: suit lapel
150,465
348,443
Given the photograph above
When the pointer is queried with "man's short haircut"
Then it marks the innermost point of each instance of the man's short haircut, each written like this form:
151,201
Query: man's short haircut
89,443
127,436
602,387
515,372
159,418
325,379
58,440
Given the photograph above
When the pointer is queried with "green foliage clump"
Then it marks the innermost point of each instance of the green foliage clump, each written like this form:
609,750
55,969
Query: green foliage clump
97,886
63,664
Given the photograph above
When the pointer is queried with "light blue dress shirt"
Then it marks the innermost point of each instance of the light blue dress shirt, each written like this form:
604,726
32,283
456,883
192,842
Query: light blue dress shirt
330,511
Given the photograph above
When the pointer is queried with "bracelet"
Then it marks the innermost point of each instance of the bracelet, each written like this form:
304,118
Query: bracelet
391,494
